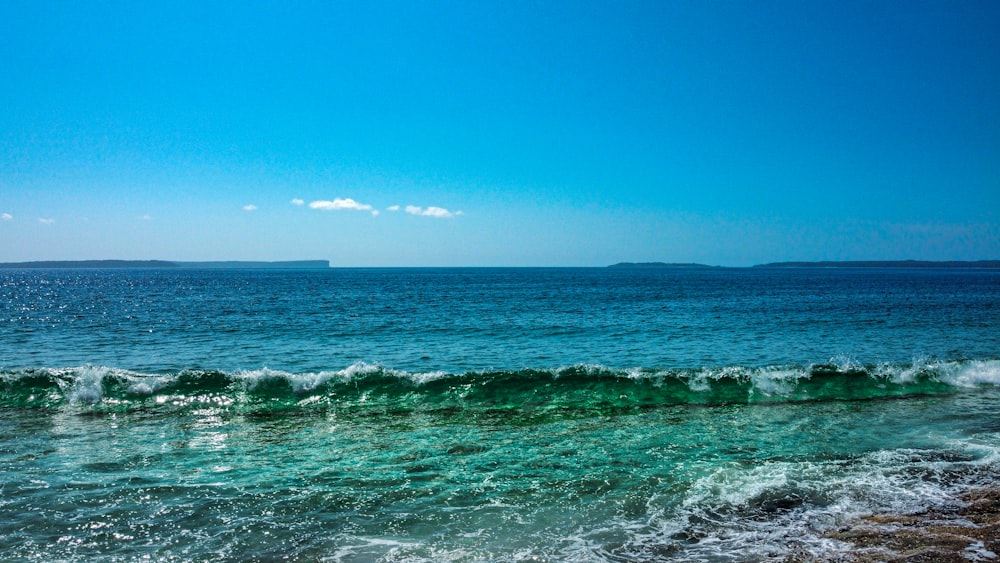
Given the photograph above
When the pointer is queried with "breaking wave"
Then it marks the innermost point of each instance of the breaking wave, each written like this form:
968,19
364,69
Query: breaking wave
574,391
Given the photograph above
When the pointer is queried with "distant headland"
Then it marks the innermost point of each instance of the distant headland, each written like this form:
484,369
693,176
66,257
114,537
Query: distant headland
991,264
981,264
133,264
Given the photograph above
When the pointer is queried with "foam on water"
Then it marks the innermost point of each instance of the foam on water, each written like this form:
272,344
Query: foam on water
585,386
737,512
974,373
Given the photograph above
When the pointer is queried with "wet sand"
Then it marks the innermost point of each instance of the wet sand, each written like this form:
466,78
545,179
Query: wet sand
970,533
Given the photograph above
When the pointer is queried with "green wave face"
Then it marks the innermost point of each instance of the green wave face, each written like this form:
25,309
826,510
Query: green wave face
512,397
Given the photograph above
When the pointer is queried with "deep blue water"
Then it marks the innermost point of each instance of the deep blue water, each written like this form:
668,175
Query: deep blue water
486,414
473,319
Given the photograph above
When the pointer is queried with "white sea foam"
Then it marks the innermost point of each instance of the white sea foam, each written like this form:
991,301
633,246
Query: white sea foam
359,368
725,502
977,552
252,378
903,374
421,378
699,381
768,381
844,362
975,373
87,386
776,380
307,381
91,384
310,381
146,384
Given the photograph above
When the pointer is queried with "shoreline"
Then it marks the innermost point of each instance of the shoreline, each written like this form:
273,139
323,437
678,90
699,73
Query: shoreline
969,532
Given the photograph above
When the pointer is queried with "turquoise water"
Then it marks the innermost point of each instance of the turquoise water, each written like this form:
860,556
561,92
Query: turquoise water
485,415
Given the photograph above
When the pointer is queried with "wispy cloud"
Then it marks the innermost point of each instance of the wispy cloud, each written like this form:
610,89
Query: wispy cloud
250,207
431,211
46,221
147,217
297,201
6,216
338,204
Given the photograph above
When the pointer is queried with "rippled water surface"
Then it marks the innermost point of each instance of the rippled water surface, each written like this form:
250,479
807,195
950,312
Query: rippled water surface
485,414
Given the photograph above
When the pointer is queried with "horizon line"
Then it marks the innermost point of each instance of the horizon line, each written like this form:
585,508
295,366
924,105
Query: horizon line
326,264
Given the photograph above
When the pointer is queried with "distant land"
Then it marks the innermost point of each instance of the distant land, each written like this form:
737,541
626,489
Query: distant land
686,265
227,265
325,264
982,264
886,264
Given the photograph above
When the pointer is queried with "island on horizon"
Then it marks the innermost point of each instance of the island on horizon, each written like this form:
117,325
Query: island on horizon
980,264
134,264
986,264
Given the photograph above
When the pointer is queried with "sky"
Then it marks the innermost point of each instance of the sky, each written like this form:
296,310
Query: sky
506,133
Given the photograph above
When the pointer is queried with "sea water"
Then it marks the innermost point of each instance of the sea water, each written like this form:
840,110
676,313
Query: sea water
486,414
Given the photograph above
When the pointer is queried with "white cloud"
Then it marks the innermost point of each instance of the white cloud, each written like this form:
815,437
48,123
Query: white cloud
375,212
393,208
431,211
338,204
297,201
6,216
146,217
46,221
250,207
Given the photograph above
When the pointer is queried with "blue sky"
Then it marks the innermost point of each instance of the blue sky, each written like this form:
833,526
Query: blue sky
500,133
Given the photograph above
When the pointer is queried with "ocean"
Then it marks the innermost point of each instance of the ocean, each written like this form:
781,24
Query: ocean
571,414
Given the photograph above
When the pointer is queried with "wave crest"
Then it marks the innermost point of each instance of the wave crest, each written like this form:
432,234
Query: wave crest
580,388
